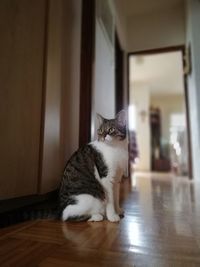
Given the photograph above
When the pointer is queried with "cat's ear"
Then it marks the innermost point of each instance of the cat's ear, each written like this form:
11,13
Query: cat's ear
100,119
121,118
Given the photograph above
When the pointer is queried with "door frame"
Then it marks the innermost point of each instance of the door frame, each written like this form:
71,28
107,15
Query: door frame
119,75
180,48
86,70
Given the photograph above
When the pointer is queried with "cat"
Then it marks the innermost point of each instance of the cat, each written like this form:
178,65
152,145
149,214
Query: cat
90,184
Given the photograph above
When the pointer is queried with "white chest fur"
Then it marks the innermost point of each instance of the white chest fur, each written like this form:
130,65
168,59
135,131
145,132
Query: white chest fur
115,154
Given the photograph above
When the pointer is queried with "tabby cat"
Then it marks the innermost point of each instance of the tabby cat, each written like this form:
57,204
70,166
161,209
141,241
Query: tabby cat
90,183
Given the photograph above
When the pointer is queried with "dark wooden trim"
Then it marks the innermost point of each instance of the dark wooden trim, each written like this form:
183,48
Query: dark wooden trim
43,103
21,202
119,76
86,70
158,50
18,210
188,129
128,80
128,101
187,120
165,50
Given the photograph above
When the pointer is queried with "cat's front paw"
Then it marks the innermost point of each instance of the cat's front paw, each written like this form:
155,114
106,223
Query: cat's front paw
120,212
113,217
96,218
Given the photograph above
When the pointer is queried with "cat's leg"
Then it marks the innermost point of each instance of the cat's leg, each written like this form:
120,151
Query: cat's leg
97,211
110,205
116,198
75,210
96,218
86,205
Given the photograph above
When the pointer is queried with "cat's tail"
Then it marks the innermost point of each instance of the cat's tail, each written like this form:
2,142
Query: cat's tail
47,210
82,207
33,212
70,201
82,218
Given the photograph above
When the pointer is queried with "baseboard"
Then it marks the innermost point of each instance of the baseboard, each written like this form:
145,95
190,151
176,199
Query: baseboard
22,209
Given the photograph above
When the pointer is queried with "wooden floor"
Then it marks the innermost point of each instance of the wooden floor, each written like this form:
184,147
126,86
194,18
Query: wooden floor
161,228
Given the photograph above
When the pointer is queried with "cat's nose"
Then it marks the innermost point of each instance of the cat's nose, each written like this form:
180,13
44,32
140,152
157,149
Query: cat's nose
101,137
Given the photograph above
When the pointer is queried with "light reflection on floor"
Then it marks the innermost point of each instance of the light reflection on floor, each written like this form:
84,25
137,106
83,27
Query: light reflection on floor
167,195
161,228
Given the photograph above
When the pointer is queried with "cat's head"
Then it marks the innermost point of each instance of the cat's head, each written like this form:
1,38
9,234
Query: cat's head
115,128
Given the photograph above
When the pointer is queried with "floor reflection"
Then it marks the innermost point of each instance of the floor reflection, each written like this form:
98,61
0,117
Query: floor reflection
161,228
160,223
164,207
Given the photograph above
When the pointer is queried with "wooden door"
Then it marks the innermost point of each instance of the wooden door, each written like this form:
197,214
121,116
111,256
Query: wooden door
22,27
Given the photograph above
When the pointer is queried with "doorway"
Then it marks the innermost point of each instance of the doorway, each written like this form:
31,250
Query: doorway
158,112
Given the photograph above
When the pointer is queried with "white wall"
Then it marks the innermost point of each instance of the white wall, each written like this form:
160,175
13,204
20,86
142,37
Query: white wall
121,23
140,98
193,38
104,78
156,30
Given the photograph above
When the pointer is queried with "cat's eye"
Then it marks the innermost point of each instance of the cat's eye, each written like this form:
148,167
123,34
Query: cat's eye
99,131
111,130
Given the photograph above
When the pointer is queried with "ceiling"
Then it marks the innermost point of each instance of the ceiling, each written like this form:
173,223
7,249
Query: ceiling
135,7
160,73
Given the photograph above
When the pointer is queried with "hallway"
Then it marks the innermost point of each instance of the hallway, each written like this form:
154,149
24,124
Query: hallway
161,227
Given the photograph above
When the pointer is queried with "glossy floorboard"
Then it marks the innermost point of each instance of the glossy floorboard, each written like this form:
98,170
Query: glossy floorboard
161,228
